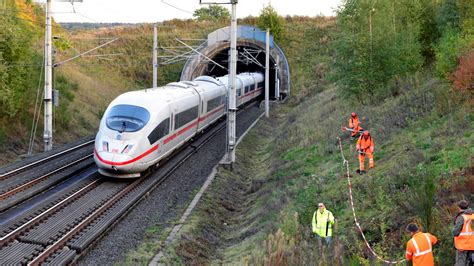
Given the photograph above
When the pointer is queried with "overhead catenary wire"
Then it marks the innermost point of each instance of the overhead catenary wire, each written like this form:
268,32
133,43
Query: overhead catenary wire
178,8
86,52
203,55
346,163
84,16
36,115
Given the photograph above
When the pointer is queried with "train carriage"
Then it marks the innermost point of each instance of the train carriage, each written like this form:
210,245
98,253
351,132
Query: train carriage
140,128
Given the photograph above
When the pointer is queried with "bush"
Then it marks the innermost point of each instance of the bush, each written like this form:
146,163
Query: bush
447,52
269,19
423,187
212,13
463,77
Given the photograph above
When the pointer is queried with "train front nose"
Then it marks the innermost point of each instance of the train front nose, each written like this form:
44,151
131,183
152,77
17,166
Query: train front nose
114,162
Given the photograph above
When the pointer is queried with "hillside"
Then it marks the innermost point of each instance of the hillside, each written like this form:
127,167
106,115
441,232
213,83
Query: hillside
406,80
261,212
277,187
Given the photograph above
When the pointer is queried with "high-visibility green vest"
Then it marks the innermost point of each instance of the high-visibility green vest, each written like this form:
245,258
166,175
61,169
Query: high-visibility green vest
322,223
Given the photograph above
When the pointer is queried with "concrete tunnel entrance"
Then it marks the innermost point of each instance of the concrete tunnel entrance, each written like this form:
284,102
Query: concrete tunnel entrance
251,58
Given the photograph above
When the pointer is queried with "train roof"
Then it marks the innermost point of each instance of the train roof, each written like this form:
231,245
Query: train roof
153,98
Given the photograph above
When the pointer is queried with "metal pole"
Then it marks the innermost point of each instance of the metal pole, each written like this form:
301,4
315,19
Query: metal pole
232,87
277,78
155,57
267,74
48,79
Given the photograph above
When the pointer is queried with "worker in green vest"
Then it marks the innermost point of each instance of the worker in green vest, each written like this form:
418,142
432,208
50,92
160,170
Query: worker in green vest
323,220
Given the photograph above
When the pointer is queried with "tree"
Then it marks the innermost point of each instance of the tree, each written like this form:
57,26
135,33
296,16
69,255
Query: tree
377,43
16,38
211,13
269,19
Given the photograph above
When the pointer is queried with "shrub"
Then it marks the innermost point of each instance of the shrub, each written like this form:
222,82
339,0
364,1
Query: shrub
270,19
463,77
212,13
423,186
447,52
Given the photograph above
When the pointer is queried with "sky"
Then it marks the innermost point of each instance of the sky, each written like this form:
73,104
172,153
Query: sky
136,11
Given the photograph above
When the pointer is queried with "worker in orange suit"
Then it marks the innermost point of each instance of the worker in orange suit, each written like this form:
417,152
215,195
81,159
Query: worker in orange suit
463,233
420,247
354,124
365,146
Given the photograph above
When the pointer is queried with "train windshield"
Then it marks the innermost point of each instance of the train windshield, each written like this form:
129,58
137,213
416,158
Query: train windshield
127,118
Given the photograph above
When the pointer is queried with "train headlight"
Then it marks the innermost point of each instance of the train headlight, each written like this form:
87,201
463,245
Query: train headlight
127,149
105,146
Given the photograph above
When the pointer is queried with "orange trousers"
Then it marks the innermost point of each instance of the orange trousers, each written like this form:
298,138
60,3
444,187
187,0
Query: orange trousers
362,158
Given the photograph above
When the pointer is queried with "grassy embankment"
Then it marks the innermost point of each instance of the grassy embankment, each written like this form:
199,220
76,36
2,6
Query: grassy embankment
262,211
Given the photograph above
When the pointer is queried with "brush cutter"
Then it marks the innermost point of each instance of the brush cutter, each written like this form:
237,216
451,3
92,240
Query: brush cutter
352,130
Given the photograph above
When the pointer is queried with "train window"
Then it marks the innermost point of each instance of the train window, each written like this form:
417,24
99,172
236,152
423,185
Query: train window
127,118
214,103
186,116
247,89
252,87
160,131
260,84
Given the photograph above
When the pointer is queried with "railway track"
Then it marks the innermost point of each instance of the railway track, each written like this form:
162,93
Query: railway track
24,182
18,170
61,232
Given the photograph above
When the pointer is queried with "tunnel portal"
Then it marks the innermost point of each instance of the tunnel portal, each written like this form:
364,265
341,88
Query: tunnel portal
251,58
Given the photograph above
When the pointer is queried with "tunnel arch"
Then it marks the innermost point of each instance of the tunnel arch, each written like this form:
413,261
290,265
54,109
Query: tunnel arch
251,45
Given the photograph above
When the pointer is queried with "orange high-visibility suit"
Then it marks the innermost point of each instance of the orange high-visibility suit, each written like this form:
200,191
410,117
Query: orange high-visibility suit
420,249
365,146
465,239
354,124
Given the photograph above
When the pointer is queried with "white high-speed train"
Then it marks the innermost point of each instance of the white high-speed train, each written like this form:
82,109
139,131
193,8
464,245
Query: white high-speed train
139,128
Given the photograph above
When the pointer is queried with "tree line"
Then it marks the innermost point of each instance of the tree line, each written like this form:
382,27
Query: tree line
381,42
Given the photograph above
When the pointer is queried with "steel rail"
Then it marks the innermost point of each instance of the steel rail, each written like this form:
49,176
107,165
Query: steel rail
10,236
2,176
63,240
39,179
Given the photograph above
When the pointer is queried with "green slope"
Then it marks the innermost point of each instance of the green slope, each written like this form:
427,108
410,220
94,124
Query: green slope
261,212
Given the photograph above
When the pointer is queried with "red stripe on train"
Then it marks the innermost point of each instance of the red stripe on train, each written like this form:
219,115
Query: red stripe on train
211,113
249,93
154,148
168,139
174,135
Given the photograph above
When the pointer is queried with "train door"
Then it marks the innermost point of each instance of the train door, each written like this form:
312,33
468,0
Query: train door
240,87
255,83
164,143
168,141
239,94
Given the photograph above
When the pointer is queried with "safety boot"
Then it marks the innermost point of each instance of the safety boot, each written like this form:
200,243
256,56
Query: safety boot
360,172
